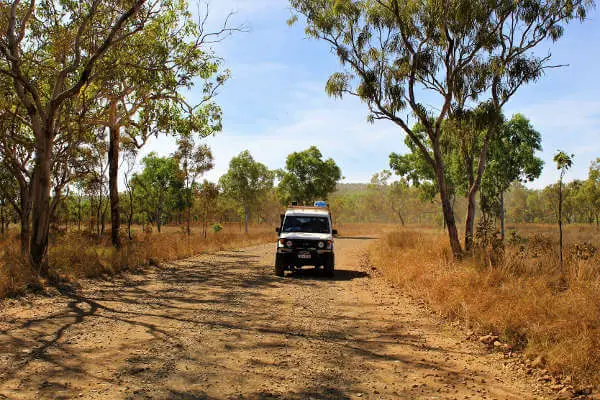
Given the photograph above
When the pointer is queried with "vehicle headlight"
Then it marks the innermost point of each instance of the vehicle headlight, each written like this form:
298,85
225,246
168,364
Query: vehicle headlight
289,243
321,245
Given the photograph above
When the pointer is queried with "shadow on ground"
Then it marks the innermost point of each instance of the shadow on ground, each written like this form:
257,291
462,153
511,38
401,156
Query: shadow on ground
178,329
318,274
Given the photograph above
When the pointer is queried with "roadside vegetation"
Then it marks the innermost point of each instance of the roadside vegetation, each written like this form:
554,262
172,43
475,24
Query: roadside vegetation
516,289
75,255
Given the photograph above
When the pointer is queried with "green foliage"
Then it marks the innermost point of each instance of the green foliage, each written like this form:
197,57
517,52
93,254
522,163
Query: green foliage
246,181
414,168
194,160
308,177
149,74
158,187
390,47
396,54
563,161
216,228
511,158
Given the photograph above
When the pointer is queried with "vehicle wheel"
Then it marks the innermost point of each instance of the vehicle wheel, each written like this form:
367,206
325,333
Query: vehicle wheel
329,267
279,270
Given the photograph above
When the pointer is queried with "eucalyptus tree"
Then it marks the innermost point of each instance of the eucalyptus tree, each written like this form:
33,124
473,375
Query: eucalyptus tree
245,181
95,182
129,160
415,169
194,160
511,158
143,84
18,147
563,163
49,49
394,193
308,177
8,195
16,161
157,186
400,55
208,193
592,190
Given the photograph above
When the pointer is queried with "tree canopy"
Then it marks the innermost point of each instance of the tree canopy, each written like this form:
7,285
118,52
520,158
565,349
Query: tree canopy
158,186
308,177
245,181
460,55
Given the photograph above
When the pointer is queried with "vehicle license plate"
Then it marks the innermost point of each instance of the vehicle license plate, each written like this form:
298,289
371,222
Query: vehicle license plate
304,256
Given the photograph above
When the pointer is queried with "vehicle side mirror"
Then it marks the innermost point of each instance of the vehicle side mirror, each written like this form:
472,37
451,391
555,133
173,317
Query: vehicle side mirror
334,232
277,230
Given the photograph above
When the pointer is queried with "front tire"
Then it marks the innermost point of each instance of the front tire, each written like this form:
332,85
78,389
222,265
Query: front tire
279,270
329,266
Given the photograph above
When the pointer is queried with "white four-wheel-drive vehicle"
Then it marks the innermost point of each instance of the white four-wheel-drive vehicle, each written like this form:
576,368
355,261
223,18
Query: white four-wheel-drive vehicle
305,238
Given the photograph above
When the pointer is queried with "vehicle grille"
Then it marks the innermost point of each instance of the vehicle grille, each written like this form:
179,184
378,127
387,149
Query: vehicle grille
305,244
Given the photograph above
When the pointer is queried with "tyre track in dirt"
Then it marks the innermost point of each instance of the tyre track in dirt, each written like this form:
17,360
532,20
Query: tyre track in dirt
223,327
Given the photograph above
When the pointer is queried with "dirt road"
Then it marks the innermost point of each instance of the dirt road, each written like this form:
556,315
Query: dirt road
223,327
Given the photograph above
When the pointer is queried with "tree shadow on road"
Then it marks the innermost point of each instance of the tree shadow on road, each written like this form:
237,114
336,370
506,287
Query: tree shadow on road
217,318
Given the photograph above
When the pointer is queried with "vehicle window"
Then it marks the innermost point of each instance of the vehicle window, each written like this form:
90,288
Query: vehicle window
306,224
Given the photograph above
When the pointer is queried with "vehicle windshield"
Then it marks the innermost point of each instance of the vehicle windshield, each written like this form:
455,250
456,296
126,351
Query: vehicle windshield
306,224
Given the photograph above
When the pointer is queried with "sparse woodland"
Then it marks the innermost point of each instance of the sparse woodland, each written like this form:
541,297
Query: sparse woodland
85,85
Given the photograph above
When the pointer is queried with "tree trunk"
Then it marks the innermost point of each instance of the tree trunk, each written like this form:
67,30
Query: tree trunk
450,223
560,200
189,218
103,221
130,217
470,220
113,175
205,228
502,215
98,214
38,249
471,197
25,235
246,218
159,218
79,216
2,220
401,218
449,220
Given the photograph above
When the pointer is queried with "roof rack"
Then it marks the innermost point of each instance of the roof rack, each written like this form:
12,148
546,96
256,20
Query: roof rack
310,207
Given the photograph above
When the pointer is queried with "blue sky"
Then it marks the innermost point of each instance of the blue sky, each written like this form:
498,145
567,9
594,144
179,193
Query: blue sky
275,103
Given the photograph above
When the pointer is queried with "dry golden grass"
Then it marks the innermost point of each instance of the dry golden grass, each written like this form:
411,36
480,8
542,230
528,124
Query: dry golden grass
15,274
526,297
76,254
361,229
